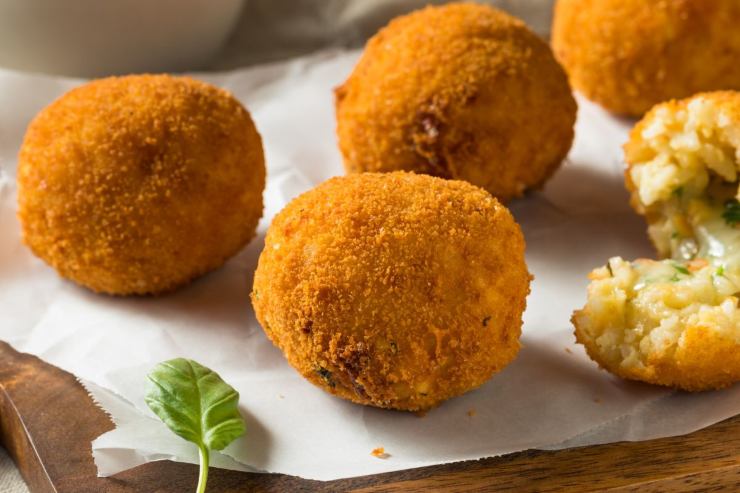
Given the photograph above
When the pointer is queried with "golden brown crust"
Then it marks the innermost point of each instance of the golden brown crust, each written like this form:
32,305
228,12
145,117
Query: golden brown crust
395,290
461,91
703,360
138,184
629,55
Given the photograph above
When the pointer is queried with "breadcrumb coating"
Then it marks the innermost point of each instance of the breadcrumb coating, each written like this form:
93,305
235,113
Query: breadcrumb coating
676,322
138,184
460,91
394,290
629,55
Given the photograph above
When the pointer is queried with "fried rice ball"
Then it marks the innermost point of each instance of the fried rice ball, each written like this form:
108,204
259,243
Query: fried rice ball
394,290
676,321
460,91
629,55
138,184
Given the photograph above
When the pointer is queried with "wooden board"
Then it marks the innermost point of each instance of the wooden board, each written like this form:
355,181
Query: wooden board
47,422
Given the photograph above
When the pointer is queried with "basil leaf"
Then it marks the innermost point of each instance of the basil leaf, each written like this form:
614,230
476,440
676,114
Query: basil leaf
196,404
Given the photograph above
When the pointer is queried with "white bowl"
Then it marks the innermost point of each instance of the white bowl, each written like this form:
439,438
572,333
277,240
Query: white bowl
93,38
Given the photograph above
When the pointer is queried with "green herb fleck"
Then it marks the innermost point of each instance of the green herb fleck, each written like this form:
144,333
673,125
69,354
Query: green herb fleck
681,269
326,376
731,215
720,272
197,405
678,192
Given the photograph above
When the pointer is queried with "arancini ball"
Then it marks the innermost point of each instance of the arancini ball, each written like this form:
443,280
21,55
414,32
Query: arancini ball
676,321
394,290
628,55
461,91
138,184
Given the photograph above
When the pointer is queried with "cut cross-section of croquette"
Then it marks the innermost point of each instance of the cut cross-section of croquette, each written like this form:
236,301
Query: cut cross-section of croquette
676,321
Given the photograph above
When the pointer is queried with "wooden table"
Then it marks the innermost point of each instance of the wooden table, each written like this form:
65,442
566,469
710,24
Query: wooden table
47,422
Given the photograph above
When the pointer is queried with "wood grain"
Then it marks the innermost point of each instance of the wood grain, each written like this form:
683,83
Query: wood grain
47,422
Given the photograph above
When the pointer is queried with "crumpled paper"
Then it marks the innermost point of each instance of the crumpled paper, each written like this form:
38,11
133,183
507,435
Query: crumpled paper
552,396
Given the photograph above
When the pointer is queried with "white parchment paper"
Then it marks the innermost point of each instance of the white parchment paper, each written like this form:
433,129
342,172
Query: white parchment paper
552,395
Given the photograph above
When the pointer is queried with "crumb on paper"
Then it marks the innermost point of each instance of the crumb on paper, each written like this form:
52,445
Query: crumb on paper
281,396
421,414
471,412
380,453
597,400
567,350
